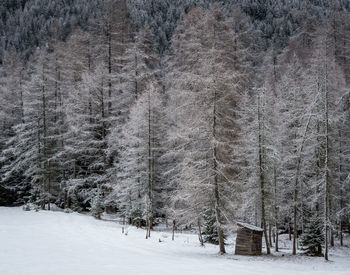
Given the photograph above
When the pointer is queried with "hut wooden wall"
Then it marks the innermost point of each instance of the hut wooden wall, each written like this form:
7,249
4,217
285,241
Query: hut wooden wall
248,242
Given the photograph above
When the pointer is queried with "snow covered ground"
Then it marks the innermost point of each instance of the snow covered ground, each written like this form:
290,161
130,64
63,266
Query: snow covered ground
56,243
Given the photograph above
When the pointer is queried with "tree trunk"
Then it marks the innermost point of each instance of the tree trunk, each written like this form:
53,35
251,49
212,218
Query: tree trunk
216,185
295,229
200,237
21,96
276,245
276,207
109,34
341,188
136,78
289,231
65,205
262,179
341,233
326,197
148,229
150,170
44,149
174,226
296,186
331,232
48,185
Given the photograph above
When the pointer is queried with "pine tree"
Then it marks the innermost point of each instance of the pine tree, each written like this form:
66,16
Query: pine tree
97,205
312,239
210,232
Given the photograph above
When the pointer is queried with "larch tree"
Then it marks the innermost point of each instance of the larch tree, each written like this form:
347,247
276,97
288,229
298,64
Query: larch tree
296,108
208,73
33,146
139,69
84,109
141,149
13,78
331,83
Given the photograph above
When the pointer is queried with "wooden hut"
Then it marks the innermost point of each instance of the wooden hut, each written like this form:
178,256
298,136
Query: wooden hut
249,239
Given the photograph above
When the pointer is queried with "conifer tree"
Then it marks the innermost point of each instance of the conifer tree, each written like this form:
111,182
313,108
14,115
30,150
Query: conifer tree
312,239
208,73
97,205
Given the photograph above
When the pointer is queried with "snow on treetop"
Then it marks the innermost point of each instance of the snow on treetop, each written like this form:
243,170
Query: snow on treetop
249,226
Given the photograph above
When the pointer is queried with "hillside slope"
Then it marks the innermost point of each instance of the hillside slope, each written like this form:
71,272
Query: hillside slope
57,243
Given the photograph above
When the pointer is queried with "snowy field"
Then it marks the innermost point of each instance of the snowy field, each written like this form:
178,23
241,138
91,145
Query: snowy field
56,243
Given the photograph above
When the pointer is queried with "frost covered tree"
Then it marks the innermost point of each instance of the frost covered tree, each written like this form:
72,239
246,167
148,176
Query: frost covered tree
138,73
331,83
209,73
33,147
343,165
12,83
83,108
97,205
141,149
297,107
87,134
310,92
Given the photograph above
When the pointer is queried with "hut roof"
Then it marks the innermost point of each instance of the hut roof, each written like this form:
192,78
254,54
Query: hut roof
249,226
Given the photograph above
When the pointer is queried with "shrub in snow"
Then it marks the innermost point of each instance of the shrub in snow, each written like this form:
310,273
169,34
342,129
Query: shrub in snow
75,204
30,207
136,218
